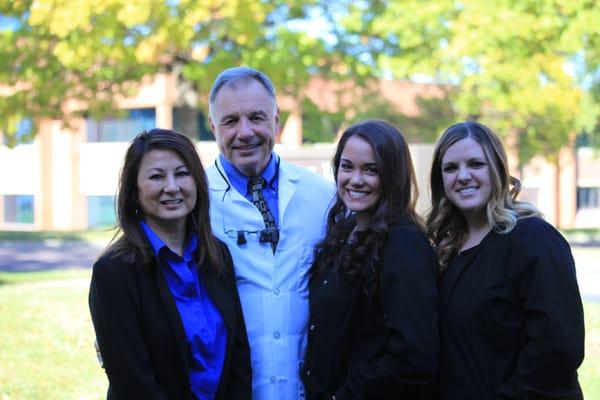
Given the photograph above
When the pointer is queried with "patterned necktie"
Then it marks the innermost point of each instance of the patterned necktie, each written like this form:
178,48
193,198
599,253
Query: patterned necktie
270,234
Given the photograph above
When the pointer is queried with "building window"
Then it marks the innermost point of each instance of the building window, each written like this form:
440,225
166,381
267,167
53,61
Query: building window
123,128
192,123
588,197
101,211
18,209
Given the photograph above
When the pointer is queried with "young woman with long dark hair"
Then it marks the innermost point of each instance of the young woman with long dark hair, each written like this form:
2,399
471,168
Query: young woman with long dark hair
373,330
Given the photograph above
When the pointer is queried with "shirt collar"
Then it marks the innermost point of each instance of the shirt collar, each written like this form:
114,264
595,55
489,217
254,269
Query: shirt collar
240,181
157,243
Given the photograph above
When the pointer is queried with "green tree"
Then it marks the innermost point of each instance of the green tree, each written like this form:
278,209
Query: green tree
60,57
522,66
528,68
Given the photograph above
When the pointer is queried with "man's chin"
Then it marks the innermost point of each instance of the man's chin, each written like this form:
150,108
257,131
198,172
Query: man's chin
250,162
248,166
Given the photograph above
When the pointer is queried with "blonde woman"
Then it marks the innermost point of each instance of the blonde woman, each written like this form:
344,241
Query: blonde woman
511,313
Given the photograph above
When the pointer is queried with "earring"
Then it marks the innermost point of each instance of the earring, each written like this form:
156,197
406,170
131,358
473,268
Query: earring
138,211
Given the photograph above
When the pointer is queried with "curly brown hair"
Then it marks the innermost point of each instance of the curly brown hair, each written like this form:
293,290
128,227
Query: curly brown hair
399,194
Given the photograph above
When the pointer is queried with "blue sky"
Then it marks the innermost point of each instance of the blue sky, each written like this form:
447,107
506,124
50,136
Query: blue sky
8,23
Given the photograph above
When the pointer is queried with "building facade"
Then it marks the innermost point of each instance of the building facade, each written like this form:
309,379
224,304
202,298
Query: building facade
66,180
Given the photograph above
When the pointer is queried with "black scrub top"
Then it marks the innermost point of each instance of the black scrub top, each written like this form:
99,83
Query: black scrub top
512,318
383,346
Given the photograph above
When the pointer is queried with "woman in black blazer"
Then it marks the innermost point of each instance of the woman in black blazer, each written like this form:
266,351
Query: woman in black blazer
163,297
511,313
373,330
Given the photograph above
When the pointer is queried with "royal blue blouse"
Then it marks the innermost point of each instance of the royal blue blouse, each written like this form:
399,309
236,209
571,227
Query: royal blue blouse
204,326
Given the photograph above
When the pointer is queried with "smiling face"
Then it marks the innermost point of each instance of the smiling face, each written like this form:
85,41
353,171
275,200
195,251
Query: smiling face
467,178
358,182
166,190
245,122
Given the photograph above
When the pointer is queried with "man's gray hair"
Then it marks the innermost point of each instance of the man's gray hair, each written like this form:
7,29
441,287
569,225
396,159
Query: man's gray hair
231,76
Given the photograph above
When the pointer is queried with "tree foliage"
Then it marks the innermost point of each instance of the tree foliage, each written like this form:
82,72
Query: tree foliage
528,68
58,57
522,66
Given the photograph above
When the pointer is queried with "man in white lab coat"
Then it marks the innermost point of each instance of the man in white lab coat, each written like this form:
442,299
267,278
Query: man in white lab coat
271,232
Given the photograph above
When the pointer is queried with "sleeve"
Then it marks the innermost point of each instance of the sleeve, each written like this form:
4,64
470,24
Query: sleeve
240,373
409,299
122,348
543,271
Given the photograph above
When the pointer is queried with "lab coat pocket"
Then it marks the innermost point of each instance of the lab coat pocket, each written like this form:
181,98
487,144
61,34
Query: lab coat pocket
305,259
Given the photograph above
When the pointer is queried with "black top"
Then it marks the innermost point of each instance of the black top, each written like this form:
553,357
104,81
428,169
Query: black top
141,337
512,318
380,348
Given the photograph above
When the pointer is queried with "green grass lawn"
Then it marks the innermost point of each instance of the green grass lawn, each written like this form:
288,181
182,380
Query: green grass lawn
46,339
589,373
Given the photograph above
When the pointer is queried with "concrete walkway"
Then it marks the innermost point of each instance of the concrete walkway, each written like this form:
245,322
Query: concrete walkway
20,256
587,261
51,254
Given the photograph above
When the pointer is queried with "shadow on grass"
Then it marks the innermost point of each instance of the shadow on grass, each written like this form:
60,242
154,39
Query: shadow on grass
11,278
95,235
586,237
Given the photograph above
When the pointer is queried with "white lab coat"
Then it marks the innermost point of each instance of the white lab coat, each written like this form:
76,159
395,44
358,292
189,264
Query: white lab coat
273,287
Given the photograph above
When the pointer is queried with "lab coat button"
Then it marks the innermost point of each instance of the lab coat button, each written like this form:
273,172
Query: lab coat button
276,335
273,379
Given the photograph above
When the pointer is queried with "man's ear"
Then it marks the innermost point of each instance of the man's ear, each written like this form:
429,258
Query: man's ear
212,126
277,118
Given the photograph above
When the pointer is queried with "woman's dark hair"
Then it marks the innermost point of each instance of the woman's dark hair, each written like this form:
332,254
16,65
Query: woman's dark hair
397,204
132,244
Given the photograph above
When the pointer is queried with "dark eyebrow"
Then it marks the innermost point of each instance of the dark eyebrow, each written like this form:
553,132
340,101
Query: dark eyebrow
448,163
468,160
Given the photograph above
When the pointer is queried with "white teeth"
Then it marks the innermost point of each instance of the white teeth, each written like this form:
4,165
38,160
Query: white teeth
467,190
247,146
171,201
355,194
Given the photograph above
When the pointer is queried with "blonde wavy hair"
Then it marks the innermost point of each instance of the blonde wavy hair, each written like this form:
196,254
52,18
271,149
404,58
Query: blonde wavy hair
446,225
